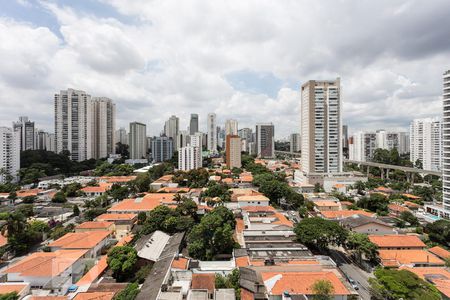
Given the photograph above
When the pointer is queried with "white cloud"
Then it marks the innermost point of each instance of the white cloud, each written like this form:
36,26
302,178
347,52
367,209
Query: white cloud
175,55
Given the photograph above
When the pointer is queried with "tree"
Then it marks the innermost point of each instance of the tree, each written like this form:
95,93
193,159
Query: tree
439,232
230,281
408,217
359,186
214,235
59,231
319,233
142,217
59,197
76,210
122,260
362,246
129,293
72,189
29,199
375,202
218,190
323,290
393,284
122,149
9,296
141,184
318,188
118,192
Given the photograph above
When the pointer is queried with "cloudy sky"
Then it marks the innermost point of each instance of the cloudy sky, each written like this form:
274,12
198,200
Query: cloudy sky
240,59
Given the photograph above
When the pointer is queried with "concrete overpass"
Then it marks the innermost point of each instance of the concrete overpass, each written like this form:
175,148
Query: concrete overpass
385,169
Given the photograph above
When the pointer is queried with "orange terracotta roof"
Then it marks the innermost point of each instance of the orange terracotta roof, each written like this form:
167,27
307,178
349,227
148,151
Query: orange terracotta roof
125,240
3,240
116,217
441,252
339,185
95,225
48,298
321,203
246,295
411,204
397,241
94,296
163,179
181,263
167,189
146,203
240,226
410,196
25,193
203,281
258,208
405,257
94,272
242,261
300,283
94,189
46,264
246,178
245,198
397,208
118,179
80,240
6,288
282,220
227,180
346,203
344,214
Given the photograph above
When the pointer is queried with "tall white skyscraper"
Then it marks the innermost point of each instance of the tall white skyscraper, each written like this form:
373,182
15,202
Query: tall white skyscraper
189,158
182,139
138,140
9,154
73,124
231,127
26,132
321,127
171,129
426,143
103,127
265,140
295,142
446,144
121,136
212,132
196,140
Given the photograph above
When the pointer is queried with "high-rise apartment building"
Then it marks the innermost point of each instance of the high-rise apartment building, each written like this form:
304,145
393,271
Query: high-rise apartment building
162,148
26,133
137,140
171,129
196,140
295,142
265,140
362,146
121,136
345,136
212,132
231,127
73,124
182,139
446,145
426,143
246,133
189,158
103,127
233,151
321,127
43,141
193,124
9,154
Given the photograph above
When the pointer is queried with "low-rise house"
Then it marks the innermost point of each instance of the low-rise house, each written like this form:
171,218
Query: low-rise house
440,252
366,225
143,204
21,289
54,271
94,273
327,205
117,179
204,282
95,226
439,277
92,242
163,181
254,200
94,191
342,214
94,296
411,258
396,209
123,223
397,242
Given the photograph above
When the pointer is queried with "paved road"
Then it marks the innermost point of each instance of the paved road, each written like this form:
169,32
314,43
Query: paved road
351,270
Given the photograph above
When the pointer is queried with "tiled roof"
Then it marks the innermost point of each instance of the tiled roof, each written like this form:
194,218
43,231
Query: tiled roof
126,240
397,241
3,240
406,257
300,283
258,208
340,214
201,281
397,208
48,298
180,263
95,225
167,189
326,203
440,277
94,272
252,198
146,203
242,261
116,217
80,240
25,193
46,264
441,252
6,288
94,296
117,179
94,189
165,178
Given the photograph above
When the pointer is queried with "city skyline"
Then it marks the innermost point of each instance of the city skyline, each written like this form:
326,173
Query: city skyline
393,72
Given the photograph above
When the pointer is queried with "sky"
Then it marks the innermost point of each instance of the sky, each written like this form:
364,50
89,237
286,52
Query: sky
244,60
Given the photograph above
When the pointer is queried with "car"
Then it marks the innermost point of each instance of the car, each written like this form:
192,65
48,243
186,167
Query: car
353,283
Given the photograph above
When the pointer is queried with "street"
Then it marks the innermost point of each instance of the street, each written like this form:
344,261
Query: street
351,270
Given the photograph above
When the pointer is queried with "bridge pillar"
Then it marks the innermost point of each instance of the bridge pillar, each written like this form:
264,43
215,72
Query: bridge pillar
387,173
368,171
382,173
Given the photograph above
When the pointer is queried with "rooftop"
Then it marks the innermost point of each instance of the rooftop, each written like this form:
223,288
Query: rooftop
146,203
95,296
441,252
116,217
94,272
396,258
341,214
80,240
203,282
397,241
6,288
95,225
